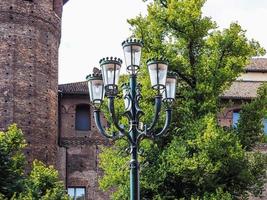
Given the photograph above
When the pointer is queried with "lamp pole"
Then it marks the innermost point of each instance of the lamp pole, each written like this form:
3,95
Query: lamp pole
106,84
134,165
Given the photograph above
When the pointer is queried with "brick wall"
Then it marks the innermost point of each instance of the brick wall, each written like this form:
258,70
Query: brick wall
82,148
29,41
225,117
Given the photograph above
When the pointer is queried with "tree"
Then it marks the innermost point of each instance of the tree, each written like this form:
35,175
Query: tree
198,159
12,161
42,183
250,124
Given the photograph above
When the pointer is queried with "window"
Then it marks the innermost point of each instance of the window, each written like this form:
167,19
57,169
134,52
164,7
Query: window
82,117
265,126
236,116
76,193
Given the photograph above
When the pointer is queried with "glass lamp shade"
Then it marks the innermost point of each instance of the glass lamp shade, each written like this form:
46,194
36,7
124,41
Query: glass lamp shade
125,91
158,73
96,88
111,72
132,53
169,93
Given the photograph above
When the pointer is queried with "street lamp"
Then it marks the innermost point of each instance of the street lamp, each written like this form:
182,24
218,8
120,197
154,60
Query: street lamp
163,82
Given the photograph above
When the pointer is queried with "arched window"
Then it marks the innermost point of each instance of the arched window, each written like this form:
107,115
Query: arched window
82,117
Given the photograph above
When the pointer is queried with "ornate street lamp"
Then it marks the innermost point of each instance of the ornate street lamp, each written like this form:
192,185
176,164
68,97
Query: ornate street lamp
169,92
96,89
164,83
132,54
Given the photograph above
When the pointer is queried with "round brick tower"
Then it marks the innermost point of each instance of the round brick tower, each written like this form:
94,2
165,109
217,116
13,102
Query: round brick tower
29,41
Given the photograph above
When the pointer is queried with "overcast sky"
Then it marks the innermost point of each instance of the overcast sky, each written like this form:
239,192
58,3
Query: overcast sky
95,29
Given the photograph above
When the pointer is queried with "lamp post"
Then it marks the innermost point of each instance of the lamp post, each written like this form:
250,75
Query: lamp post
106,84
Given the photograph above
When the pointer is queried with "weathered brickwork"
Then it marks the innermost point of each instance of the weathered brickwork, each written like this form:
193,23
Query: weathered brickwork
29,41
82,148
225,117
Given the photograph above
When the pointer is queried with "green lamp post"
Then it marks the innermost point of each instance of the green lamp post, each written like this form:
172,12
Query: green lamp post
105,84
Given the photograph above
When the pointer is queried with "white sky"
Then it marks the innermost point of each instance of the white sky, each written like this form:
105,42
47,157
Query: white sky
95,29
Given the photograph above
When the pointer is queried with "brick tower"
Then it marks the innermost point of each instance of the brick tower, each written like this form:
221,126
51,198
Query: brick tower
29,40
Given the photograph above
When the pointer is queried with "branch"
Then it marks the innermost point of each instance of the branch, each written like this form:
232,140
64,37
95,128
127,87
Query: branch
164,3
183,76
221,58
191,53
192,61
219,63
174,27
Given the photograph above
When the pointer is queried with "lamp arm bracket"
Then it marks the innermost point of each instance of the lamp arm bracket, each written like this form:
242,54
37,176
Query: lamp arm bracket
143,134
138,97
111,108
141,151
158,101
166,125
128,112
101,129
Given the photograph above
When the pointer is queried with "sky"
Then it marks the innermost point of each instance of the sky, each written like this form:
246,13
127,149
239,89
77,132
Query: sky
92,30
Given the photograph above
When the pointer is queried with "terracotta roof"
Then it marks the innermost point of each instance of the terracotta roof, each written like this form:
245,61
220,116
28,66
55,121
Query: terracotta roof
74,88
238,90
242,90
257,65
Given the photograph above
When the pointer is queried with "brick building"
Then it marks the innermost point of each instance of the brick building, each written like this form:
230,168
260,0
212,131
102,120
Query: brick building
80,139
57,119
242,90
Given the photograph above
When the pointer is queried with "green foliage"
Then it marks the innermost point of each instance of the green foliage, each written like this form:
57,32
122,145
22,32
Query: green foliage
2,197
207,60
219,194
12,161
250,124
41,184
213,159
199,159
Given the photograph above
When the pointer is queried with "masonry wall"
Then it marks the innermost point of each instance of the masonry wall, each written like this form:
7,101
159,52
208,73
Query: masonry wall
29,41
253,76
82,148
225,117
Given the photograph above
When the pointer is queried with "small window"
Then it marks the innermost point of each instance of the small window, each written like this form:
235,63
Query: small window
82,117
76,193
236,116
265,126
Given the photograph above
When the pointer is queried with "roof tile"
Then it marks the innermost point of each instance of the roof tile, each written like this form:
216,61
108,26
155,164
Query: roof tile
74,88
242,90
257,65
